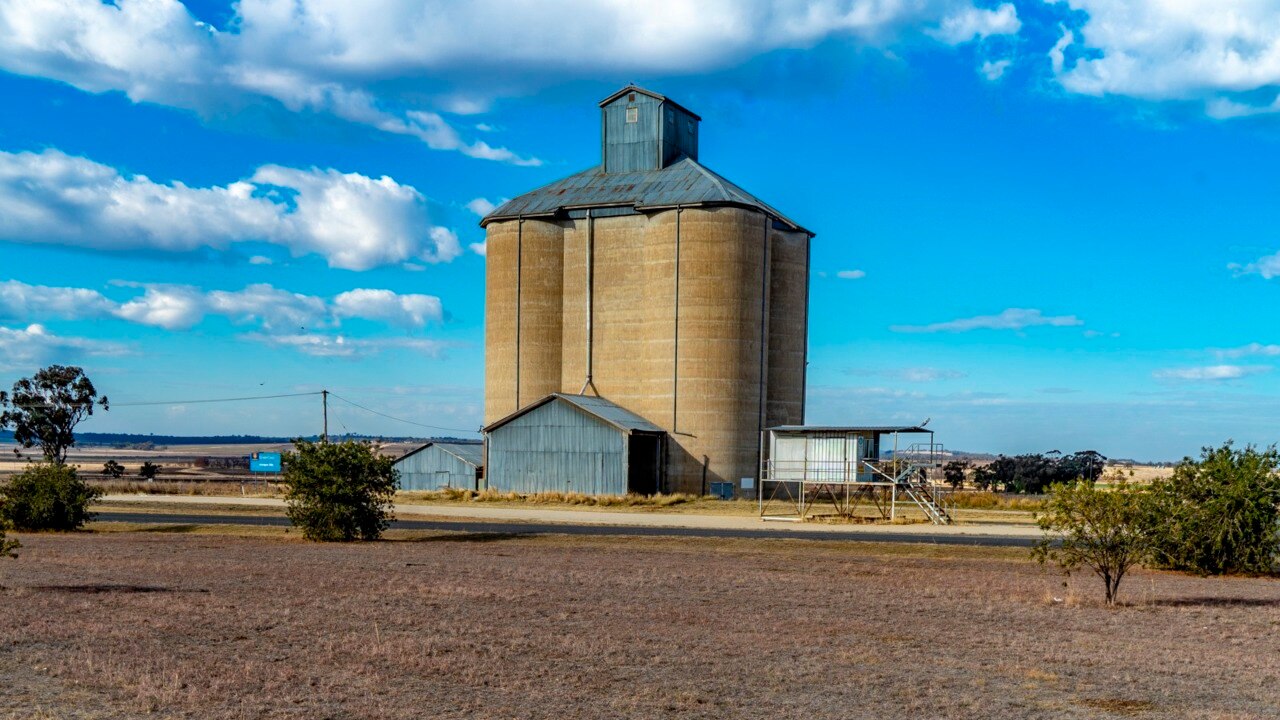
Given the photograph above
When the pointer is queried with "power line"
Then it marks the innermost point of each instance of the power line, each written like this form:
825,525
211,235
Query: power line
392,417
213,400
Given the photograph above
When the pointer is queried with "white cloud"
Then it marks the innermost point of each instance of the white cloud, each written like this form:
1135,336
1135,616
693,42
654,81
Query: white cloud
1252,349
320,345
395,65
353,221
272,308
482,206
172,307
909,374
1011,319
156,51
409,311
19,301
260,260
851,274
34,346
177,307
995,70
1268,266
1210,373
975,23
929,374
480,248
1224,54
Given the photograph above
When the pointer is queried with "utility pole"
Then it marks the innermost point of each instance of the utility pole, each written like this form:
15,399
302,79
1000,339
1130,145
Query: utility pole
324,397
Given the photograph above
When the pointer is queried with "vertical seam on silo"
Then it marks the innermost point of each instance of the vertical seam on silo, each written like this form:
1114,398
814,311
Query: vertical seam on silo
519,299
591,289
675,352
764,317
804,363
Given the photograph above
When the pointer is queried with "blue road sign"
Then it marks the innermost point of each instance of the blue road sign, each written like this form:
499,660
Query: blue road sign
264,462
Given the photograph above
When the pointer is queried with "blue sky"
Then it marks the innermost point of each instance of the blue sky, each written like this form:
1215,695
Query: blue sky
1044,225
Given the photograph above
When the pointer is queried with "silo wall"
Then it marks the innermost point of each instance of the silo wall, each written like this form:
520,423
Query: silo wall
788,327
523,300
710,349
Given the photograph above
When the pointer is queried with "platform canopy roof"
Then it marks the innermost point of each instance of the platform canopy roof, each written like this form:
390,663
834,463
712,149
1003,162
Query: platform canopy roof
865,429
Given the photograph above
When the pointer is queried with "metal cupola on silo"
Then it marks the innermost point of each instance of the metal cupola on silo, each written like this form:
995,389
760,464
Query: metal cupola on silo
642,130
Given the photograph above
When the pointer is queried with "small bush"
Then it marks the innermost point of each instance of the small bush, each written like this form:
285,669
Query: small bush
1103,530
47,496
8,548
1219,514
112,469
338,492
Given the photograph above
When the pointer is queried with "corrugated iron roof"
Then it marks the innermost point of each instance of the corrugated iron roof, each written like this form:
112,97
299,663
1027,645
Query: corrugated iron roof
636,88
685,182
467,452
598,407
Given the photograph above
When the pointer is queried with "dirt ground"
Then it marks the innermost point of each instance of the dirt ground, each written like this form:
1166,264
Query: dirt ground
196,623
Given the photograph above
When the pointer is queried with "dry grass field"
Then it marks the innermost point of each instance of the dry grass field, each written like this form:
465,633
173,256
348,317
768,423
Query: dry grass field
197,623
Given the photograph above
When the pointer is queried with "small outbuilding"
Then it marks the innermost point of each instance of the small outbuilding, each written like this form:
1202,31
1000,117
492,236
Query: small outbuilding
575,443
439,465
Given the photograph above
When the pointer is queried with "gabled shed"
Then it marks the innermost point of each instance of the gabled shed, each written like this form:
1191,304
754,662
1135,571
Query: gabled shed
575,443
439,465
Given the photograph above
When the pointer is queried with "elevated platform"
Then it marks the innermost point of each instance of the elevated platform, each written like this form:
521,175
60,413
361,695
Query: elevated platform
808,471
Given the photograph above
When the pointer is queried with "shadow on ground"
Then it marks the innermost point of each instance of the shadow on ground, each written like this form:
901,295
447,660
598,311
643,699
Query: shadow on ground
470,537
1216,602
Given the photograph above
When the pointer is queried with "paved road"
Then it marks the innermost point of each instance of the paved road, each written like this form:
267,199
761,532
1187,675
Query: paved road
534,528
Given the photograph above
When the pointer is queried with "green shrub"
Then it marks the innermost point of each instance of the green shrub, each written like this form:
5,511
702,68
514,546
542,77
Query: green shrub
338,492
47,496
1219,514
1103,530
8,548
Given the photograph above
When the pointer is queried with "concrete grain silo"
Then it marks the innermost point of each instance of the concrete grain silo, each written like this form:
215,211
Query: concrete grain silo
653,282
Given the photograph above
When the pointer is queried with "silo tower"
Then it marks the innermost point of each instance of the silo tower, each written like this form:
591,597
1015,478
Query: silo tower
656,284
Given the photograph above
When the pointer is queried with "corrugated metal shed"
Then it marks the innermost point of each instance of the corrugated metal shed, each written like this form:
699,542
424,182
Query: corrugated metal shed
685,183
439,465
574,443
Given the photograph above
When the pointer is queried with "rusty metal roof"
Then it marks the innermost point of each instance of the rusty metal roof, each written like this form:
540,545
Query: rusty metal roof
685,183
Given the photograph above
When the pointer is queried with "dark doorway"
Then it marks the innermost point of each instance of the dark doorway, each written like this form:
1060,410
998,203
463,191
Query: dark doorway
644,463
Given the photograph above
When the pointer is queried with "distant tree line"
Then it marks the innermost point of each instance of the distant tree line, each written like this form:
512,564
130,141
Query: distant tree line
1030,473
137,441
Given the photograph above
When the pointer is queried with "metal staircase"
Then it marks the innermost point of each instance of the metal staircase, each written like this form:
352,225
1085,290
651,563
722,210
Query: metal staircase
922,495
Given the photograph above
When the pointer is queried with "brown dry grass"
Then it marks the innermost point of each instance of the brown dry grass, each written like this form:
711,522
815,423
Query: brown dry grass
253,488
489,626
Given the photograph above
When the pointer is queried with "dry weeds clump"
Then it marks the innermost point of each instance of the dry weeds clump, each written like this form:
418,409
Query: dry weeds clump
987,500
460,626
255,488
